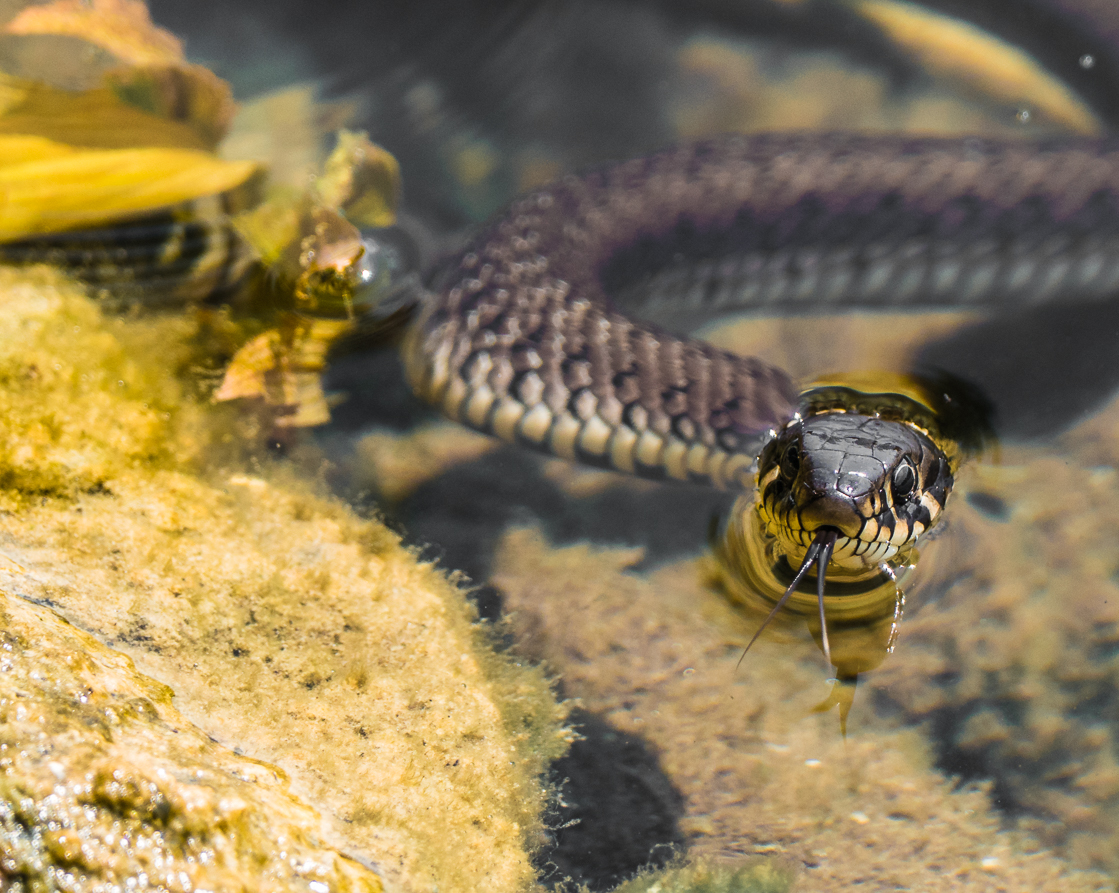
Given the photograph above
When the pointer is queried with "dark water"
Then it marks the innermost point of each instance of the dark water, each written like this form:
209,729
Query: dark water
479,101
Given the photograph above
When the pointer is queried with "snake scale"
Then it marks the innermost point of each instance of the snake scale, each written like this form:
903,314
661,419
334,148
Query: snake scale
523,341
527,337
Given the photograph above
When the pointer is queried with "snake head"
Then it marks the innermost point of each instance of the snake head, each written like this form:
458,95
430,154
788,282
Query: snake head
847,494
878,484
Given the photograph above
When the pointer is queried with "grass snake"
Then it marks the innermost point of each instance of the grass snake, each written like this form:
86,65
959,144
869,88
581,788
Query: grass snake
533,333
527,336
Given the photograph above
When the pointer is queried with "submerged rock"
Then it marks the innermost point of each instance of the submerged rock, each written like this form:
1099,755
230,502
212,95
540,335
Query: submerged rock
759,775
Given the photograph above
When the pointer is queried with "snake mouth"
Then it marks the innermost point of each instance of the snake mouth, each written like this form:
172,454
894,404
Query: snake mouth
859,546
819,553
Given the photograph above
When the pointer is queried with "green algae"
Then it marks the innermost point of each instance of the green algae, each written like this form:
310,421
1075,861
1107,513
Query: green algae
757,877
289,629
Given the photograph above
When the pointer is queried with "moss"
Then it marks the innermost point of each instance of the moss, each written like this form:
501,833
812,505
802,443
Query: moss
288,628
757,877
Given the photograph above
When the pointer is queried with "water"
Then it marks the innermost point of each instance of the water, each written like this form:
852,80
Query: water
984,747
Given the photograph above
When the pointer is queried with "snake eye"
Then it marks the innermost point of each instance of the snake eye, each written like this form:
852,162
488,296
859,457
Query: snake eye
904,480
790,462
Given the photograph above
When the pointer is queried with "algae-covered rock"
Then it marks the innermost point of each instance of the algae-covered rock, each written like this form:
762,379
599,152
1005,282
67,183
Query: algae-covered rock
103,784
289,629
702,877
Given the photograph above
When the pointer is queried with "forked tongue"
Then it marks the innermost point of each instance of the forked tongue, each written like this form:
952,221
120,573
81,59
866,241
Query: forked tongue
818,553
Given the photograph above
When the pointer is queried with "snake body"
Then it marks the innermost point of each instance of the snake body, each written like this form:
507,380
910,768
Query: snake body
529,335
525,339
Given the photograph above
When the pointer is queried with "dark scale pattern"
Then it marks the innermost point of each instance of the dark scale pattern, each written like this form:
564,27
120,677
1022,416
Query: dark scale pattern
867,477
524,341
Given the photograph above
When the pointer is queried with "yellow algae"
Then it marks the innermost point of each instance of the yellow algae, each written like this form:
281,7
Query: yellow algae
119,786
289,629
707,877
963,53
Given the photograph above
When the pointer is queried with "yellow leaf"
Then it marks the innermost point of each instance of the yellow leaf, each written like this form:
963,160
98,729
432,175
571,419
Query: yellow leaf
94,118
91,188
20,149
969,55
122,27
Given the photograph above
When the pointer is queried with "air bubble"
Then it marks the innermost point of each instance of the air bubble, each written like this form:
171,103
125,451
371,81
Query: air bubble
1023,116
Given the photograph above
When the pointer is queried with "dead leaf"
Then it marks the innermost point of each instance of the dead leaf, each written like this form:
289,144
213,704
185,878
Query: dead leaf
284,366
361,179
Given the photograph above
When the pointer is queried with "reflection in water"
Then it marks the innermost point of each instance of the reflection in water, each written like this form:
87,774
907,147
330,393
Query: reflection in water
849,489
861,612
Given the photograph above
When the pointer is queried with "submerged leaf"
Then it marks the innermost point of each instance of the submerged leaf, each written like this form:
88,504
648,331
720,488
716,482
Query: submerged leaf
284,367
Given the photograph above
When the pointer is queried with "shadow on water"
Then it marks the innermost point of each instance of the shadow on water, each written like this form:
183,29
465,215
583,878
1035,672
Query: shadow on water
1043,368
617,812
